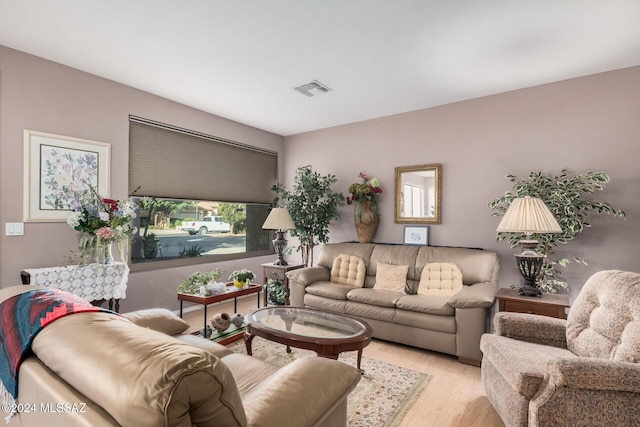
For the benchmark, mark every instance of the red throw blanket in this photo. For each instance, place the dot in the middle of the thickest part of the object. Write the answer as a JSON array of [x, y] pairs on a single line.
[[21, 318]]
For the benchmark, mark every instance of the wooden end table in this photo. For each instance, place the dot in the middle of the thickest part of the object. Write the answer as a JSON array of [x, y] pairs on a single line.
[[231, 292], [272, 271], [552, 305]]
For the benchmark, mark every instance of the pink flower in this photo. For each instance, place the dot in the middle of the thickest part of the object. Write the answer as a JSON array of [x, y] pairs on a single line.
[[105, 233]]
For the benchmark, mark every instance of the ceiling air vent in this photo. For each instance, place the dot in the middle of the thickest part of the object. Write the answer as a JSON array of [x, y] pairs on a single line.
[[312, 88]]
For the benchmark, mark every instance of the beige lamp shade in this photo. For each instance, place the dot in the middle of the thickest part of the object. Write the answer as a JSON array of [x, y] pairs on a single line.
[[528, 215], [279, 219]]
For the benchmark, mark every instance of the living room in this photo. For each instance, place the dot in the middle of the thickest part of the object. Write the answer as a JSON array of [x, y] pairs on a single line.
[[582, 123]]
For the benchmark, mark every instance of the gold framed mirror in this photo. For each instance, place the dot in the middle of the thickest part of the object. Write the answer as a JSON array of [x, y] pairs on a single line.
[[418, 194]]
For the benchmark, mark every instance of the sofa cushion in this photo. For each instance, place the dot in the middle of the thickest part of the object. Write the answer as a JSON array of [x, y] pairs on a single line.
[[158, 319], [422, 304], [369, 311], [391, 277], [429, 322], [440, 279], [349, 270], [393, 254], [248, 371], [331, 250], [523, 364], [329, 290], [604, 320], [381, 298], [322, 303]]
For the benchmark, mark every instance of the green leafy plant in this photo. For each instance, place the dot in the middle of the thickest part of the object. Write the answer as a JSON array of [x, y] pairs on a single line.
[[567, 199], [242, 275], [276, 291], [312, 205], [192, 284], [192, 252]]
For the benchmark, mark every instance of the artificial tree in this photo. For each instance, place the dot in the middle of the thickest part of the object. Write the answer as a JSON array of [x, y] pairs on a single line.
[[566, 198], [312, 205]]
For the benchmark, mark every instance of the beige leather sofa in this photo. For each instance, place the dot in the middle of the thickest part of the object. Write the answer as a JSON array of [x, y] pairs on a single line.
[[100, 369], [447, 324]]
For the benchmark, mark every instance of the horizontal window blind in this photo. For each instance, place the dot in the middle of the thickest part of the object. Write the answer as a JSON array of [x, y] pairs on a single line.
[[176, 163]]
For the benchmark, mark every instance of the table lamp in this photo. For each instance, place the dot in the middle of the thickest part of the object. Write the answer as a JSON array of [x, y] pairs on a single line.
[[279, 220], [529, 215]]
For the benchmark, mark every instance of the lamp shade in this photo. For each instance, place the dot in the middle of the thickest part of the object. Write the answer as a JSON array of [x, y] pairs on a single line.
[[528, 215], [279, 219]]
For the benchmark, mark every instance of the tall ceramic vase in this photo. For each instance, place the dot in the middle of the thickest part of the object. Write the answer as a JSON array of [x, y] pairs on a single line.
[[366, 220]]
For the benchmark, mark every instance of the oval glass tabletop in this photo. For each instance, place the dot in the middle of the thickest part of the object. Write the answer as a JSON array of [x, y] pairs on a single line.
[[307, 322]]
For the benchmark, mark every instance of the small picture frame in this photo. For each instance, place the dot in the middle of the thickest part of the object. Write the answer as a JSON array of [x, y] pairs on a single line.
[[416, 235]]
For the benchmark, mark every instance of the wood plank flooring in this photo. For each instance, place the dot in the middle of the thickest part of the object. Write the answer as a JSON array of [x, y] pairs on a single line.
[[454, 396]]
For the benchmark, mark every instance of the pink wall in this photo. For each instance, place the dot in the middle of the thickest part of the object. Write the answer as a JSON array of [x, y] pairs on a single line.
[[44, 96], [584, 124]]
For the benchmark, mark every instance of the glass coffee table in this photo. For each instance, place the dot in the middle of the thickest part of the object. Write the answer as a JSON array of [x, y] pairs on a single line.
[[328, 334]]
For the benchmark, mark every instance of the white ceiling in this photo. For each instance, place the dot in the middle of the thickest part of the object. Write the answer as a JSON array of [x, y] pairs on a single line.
[[240, 59]]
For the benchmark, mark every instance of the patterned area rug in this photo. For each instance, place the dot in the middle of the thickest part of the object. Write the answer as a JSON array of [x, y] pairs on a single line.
[[382, 397]]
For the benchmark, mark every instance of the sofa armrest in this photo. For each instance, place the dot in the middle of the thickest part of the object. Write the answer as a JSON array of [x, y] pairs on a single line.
[[158, 319], [481, 294], [602, 391], [300, 278], [594, 374], [308, 275], [532, 328], [285, 399]]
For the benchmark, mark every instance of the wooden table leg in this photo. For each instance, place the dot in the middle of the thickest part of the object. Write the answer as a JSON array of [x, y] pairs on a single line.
[[359, 360], [205, 317], [248, 338]]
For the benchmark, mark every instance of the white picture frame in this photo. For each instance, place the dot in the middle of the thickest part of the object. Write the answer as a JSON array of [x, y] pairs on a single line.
[[57, 168], [416, 235]]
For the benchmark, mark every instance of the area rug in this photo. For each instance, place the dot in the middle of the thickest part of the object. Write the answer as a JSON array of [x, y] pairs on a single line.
[[382, 397]]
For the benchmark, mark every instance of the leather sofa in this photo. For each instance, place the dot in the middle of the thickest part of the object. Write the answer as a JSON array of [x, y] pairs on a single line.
[[451, 324], [140, 369]]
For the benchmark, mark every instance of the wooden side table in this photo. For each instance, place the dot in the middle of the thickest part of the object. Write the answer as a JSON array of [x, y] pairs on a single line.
[[272, 271], [552, 305]]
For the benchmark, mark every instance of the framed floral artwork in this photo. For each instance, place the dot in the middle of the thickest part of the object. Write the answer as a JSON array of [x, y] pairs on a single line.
[[58, 169], [416, 235]]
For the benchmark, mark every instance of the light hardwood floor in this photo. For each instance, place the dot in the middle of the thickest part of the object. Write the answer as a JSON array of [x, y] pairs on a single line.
[[454, 396]]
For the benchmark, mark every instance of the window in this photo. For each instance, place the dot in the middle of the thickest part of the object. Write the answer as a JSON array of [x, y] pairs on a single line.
[[204, 196], [178, 232]]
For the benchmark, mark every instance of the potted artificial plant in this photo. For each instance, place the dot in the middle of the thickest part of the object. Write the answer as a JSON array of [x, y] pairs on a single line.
[[312, 205], [567, 199], [241, 277], [192, 284]]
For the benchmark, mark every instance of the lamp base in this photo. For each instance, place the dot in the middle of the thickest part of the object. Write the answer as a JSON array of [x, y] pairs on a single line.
[[279, 244]]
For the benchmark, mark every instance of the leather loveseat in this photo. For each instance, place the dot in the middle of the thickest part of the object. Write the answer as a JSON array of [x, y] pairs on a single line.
[[449, 320], [99, 369]]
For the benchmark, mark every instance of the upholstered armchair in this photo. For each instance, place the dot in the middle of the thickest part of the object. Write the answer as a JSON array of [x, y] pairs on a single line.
[[542, 371]]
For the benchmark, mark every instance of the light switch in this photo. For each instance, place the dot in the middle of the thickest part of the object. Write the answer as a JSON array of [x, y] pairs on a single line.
[[14, 229]]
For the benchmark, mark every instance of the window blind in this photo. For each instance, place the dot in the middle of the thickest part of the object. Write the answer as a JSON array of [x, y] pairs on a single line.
[[170, 162]]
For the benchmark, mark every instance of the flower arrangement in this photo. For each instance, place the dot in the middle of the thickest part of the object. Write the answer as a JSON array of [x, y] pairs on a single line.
[[101, 222], [367, 190]]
